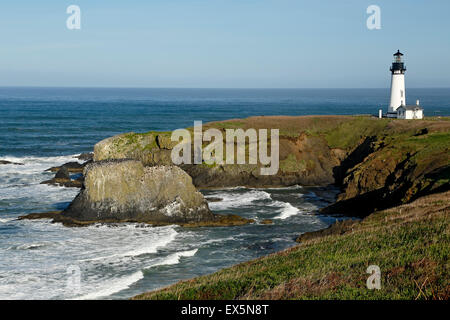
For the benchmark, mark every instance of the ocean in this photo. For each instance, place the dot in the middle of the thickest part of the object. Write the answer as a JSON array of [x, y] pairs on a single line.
[[45, 127]]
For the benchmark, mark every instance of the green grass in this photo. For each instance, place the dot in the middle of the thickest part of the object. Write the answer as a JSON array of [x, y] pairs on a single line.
[[349, 133], [139, 141], [410, 244], [227, 125]]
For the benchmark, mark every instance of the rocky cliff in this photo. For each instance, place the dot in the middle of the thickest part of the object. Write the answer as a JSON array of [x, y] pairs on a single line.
[[377, 162], [125, 190], [304, 159], [404, 162]]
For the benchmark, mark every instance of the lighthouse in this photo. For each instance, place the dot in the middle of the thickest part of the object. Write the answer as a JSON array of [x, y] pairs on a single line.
[[397, 106], [398, 94]]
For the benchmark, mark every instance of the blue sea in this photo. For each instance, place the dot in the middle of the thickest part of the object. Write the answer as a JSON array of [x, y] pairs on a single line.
[[45, 127]]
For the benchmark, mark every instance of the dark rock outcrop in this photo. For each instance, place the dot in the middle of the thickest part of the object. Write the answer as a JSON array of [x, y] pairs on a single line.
[[9, 162], [213, 199], [42, 215], [85, 156], [218, 220], [63, 173], [63, 179], [73, 167]]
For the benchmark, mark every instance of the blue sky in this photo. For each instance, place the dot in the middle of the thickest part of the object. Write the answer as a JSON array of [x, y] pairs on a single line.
[[226, 43]]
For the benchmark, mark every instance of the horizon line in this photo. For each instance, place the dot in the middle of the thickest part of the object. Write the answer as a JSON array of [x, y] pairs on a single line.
[[210, 88]]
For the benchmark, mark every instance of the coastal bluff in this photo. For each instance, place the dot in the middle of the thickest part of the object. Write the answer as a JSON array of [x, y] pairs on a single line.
[[125, 191], [377, 163]]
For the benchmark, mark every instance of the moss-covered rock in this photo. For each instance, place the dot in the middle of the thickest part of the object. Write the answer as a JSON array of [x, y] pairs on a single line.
[[125, 190], [164, 141]]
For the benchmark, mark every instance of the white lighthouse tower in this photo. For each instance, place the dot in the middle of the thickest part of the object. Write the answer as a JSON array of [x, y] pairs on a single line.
[[398, 94], [397, 106]]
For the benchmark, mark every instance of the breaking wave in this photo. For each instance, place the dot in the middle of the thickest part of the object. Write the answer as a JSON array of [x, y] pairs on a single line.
[[173, 258]]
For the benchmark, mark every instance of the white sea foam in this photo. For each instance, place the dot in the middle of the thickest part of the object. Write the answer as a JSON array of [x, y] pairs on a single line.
[[294, 187], [218, 240], [31, 159], [111, 259], [232, 199], [42, 192], [118, 284], [42, 256], [173, 258], [146, 248], [113, 286], [254, 197], [287, 210], [20, 184], [28, 246], [104, 254], [34, 164], [152, 247]]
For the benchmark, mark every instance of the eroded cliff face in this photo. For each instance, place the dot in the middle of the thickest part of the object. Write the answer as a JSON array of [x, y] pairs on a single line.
[[125, 190], [304, 160], [395, 170], [377, 162]]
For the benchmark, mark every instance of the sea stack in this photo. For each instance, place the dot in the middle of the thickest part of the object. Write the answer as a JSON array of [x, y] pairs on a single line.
[[125, 190]]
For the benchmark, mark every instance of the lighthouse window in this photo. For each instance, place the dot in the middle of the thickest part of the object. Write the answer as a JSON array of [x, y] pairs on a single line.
[[401, 93]]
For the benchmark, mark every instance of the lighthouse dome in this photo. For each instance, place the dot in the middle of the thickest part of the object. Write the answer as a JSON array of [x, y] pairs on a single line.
[[398, 65]]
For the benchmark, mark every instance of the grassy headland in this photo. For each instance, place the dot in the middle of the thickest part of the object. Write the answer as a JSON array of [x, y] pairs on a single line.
[[410, 243], [378, 163], [393, 173]]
